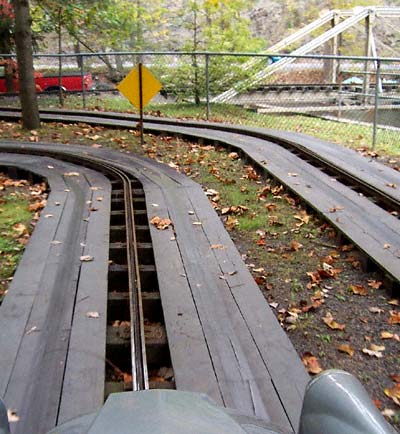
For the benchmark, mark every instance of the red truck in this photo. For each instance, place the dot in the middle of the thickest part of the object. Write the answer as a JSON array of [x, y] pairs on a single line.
[[47, 83]]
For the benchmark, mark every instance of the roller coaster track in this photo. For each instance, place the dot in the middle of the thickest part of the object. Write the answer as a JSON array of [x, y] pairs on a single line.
[[367, 204]]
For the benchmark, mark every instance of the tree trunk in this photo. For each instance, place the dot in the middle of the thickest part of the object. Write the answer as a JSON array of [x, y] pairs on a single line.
[[23, 41]]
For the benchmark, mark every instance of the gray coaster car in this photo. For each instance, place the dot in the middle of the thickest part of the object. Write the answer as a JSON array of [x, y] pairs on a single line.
[[335, 403]]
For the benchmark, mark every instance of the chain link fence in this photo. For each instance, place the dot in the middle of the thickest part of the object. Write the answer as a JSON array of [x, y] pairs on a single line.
[[349, 100]]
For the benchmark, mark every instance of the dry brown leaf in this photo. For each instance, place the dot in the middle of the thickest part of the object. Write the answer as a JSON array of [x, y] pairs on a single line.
[[377, 347], [311, 363], [231, 222], [86, 258], [377, 354], [389, 335], [336, 208], [374, 284], [374, 309], [20, 229], [217, 247], [358, 289], [303, 217], [71, 174], [296, 246], [394, 393], [270, 206], [345, 348], [161, 223], [394, 317], [331, 323]]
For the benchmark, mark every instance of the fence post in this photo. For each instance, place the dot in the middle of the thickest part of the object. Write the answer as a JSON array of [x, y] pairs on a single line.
[[83, 81], [208, 86], [376, 104]]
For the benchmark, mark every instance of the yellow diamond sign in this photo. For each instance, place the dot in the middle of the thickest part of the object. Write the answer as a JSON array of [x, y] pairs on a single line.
[[130, 86]]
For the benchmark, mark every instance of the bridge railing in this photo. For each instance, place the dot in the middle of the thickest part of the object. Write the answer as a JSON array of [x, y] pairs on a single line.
[[353, 100]]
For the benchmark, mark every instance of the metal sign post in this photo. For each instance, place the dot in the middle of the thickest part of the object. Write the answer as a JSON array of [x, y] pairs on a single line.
[[141, 103], [139, 87]]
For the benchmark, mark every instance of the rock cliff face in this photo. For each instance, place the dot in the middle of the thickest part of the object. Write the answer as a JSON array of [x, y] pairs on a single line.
[[274, 20], [267, 21]]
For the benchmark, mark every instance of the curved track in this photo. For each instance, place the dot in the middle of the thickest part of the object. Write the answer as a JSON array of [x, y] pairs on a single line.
[[364, 193], [223, 338]]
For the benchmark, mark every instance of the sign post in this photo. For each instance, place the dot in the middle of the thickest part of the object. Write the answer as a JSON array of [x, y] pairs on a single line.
[[139, 87], [141, 102]]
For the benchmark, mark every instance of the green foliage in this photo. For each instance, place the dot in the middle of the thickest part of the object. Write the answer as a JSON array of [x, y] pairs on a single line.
[[214, 26]]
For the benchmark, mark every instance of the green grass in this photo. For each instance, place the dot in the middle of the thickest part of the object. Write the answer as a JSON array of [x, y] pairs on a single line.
[[14, 210]]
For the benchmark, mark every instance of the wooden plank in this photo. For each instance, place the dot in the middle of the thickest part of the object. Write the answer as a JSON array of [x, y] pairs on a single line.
[[17, 305], [245, 382], [83, 386], [191, 362], [42, 355], [271, 341]]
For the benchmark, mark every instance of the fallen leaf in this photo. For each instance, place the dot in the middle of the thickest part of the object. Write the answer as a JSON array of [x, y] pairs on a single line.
[[71, 174], [296, 246], [394, 393], [386, 246], [389, 335], [197, 223], [20, 229], [303, 217], [395, 378], [374, 309], [86, 258], [379, 348], [394, 302], [231, 222], [311, 363], [331, 323], [92, 314], [336, 208], [217, 247], [270, 206], [358, 289], [31, 330], [377, 354], [12, 416], [374, 284], [233, 155], [161, 223], [388, 412], [345, 348], [394, 317]]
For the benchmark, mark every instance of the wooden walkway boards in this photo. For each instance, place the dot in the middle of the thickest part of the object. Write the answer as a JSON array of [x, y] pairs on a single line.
[[224, 339], [373, 230], [43, 366]]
